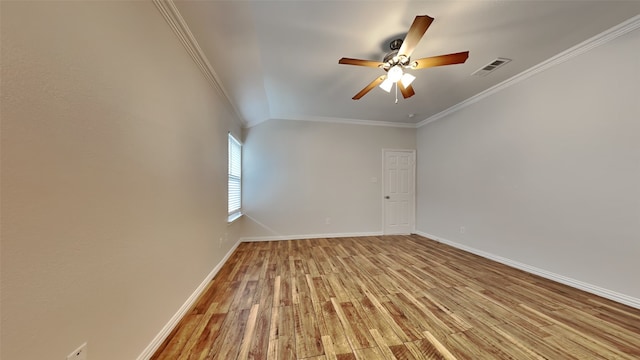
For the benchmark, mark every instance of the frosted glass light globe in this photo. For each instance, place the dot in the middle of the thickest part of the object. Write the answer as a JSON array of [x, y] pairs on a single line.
[[395, 73]]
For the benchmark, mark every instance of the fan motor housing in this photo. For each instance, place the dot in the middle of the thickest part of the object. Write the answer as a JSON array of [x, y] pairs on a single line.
[[389, 57]]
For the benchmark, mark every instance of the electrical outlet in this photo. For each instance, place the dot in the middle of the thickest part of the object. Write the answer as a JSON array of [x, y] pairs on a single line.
[[462, 229], [79, 353], [327, 221]]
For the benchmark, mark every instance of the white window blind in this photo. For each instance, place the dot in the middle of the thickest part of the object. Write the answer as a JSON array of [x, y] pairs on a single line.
[[235, 176]]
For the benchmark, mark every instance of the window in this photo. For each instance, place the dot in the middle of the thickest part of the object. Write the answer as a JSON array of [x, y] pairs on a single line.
[[235, 178]]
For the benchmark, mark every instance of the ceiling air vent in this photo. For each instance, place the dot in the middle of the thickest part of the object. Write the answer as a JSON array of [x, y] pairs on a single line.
[[490, 67]]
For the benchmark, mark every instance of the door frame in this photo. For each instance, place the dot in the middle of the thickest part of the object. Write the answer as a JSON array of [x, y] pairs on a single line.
[[415, 177]]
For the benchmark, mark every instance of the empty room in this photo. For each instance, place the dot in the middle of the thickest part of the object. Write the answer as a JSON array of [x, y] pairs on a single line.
[[319, 180]]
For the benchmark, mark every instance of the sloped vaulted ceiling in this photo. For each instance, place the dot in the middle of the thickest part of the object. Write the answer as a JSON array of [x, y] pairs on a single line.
[[279, 59]]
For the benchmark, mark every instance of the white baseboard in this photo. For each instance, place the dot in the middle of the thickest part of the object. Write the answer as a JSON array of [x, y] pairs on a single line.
[[166, 330], [593, 289], [307, 236]]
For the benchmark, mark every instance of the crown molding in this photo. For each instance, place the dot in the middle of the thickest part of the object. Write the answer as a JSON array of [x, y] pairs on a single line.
[[342, 121], [179, 26], [602, 38]]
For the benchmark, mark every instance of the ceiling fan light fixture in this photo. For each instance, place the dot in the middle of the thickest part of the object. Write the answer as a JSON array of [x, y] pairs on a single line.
[[407, 79], [395, 73], [394, 63], [386, 85]]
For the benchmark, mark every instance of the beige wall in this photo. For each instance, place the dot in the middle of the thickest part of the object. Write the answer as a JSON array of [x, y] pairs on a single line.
[[299, 173], [545, 172], [113, 178]]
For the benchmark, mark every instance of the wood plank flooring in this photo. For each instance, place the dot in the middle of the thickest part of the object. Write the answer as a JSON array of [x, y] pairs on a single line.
[[393, 297]]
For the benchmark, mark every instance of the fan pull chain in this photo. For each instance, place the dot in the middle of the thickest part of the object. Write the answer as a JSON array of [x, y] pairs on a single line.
[[396, 92]]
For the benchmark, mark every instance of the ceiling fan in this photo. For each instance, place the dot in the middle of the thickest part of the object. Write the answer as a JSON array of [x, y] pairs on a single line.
[[399, 58]]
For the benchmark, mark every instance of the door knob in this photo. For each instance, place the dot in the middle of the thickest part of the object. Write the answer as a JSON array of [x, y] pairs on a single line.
[[386, 197]]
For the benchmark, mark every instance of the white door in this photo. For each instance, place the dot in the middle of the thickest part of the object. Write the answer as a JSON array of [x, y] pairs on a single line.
[[398, 191]]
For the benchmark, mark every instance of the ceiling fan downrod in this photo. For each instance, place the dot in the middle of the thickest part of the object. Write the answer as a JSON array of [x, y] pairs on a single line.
[[395, 44]]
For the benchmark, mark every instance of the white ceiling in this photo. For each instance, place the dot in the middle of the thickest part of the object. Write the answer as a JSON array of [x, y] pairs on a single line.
[[279, 59]]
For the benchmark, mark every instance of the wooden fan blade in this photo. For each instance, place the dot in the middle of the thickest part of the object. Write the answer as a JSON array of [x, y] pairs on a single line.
[[358, 62], [450, 59], [407, 92], [368, 88], [416, 31]]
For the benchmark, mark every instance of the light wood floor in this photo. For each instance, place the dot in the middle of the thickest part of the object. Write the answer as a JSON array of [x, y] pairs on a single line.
[[393, 297]]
